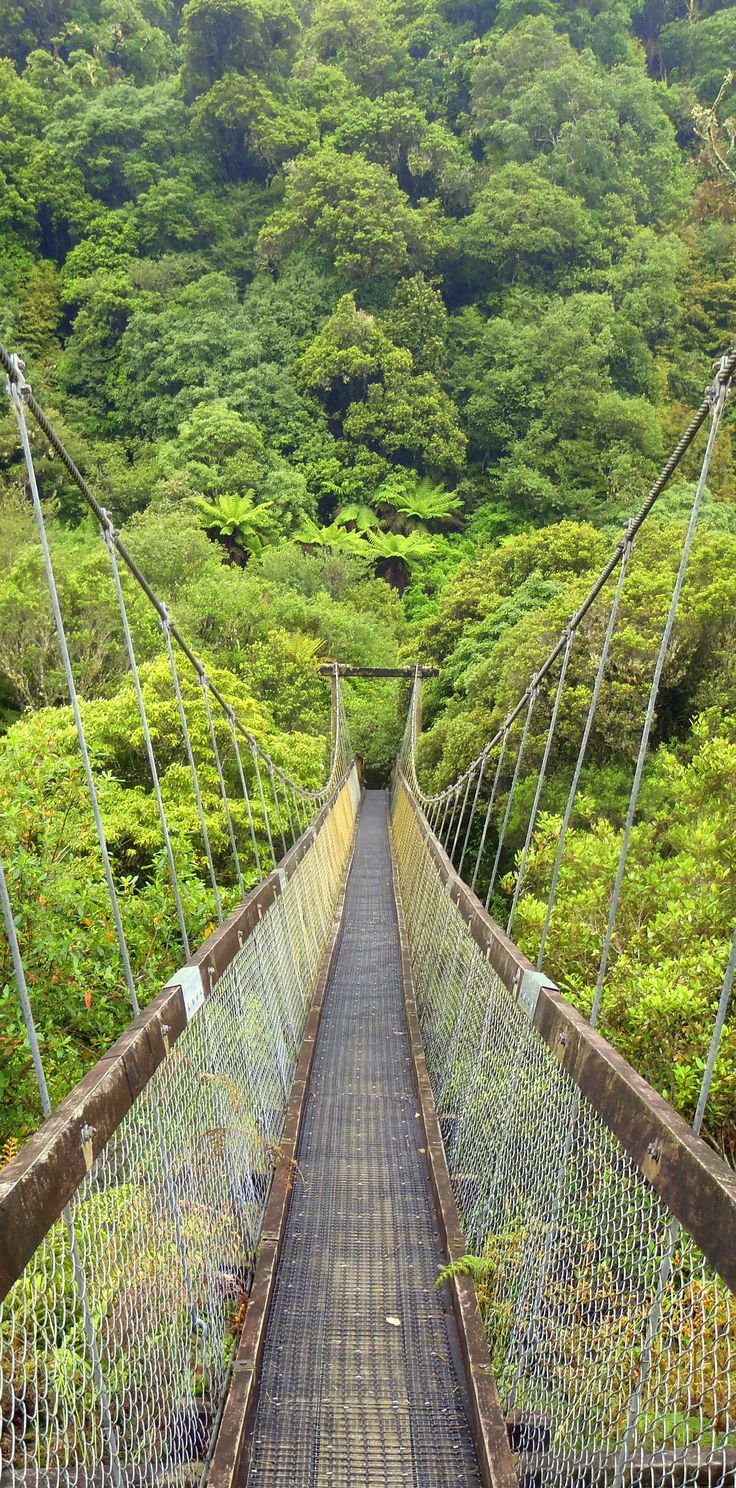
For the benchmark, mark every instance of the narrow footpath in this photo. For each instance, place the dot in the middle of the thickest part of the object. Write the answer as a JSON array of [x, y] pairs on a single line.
[[360, 1383]]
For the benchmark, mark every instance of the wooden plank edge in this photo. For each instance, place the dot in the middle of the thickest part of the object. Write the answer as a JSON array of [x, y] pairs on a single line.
[[488, 1424], [41, 1180], [696, 1184], [231, 1450]]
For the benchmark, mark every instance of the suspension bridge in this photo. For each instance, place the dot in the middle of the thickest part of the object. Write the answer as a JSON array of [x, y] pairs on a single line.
[[219, 1254]]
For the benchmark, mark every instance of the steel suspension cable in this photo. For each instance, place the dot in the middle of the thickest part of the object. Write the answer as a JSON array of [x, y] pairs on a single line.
[[192, 766], [726, 367], [463, 808], [541, 774], [25, 1001], [262, 799], [244, 788], [17, 402], [478, 785], [489, 808], [107, 531], [719, 394], [534, 692], [590, 717], [22, 396], [221, 778]]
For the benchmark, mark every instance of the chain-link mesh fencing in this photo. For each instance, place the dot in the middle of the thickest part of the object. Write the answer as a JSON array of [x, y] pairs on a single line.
[[115, 1341], [613, 1341]]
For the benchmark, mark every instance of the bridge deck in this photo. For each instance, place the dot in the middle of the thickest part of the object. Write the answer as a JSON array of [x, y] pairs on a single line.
[[348, 1399]]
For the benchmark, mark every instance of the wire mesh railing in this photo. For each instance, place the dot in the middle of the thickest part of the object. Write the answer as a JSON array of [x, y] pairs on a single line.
[[600, 1230], [487, 819], [225, 811], [130, 1222]]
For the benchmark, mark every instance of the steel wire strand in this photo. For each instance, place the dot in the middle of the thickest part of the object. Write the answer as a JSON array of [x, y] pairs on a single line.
[[221, 780], [277, 806], [464, 808], [456, 820], [107, 531], [533, 694], [246, 796], [192, 767], [726, 367], [21, 394], [489, 807], [17, 402], [589, 720], [541, 776], [719, 393], [262, 799]]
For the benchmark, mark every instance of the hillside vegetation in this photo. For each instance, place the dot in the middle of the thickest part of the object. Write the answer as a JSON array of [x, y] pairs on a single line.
[[370, 322]]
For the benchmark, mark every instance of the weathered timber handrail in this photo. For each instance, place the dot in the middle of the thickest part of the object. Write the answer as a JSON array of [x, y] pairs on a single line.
[[40, 1181], [698, 1187]]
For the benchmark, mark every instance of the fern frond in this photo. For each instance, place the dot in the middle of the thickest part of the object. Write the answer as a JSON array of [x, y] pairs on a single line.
[[479, 1267]]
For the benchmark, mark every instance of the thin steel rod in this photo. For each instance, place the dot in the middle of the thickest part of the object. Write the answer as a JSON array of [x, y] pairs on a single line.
[[17, 401], [19, 389], [221, 780], [592, 707], [726, 369], [512, 791], [277, 804], [25, 1002], [246, 797], [478, 784], [489, 807], [716, 1036], [453, 849], [192, 767], [719, 398], [541, 776], [143, 713], [262, 798]]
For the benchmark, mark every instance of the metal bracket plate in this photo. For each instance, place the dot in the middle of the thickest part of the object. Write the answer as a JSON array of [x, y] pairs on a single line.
[[531, 985], [189, 978]]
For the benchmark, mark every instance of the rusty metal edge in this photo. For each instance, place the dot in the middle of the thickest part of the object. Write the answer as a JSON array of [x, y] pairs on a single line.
[[229, 1459], [695, 1183], [40, 1181], [490, 1435]]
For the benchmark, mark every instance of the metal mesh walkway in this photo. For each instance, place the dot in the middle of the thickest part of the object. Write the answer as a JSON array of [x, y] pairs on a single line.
[[347, 1397]]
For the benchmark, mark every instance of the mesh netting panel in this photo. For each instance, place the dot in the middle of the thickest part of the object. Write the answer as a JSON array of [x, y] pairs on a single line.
[[115, 1341], [612, 1340]]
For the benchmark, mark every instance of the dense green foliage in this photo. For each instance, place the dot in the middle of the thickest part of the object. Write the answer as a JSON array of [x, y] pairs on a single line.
[[369, 322]]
